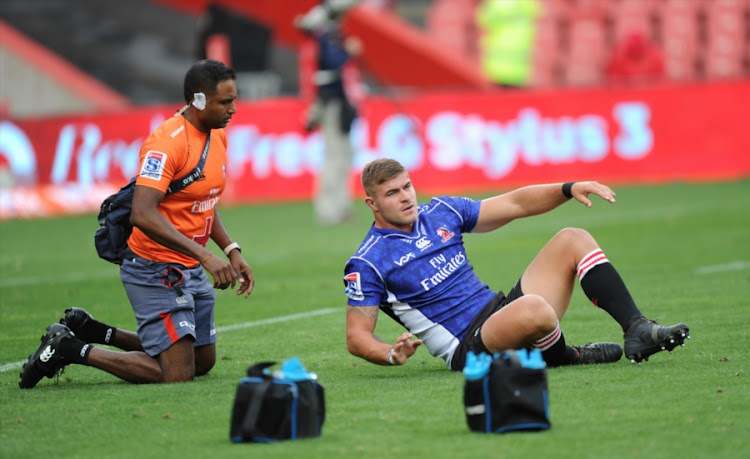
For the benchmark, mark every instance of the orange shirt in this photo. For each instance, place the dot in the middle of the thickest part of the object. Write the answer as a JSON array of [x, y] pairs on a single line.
[[170, 152]]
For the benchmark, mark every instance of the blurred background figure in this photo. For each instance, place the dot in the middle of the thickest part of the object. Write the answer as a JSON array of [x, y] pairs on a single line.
[[635, 59], [507, 40], [331, 108]]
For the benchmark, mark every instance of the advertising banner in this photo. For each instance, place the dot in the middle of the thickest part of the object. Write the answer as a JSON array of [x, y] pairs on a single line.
[[458, 142]]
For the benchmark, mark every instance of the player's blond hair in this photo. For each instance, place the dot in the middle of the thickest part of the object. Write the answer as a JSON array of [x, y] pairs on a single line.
[[378, 172]]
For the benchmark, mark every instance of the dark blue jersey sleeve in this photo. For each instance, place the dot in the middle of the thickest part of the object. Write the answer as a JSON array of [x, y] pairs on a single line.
[[466, 208]]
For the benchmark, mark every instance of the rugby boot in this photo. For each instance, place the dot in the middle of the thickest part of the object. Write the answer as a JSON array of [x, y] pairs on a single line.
[[646, 337], [47, 360], [77, 319], [593, 353]]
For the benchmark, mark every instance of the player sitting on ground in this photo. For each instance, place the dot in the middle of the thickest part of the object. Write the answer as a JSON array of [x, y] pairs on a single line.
[[412, 265]]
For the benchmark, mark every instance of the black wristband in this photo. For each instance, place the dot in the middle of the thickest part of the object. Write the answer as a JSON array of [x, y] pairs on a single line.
[[566, 189]]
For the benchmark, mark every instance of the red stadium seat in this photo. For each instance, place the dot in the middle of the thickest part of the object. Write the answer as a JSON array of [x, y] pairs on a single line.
[[558, 9], [632, 16], [547, 53], [452, 24], [548, 36], [726, 39], [550, 42], [680, 38], [589, 9], [587, 51]]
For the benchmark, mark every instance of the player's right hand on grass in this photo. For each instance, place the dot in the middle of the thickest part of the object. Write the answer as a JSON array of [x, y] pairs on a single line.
[[404, 348]]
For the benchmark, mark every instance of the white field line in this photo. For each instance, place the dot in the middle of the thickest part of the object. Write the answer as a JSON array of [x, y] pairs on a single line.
[[105, 274], [112, 273], [733, 266], [254, 323], [60, 279]]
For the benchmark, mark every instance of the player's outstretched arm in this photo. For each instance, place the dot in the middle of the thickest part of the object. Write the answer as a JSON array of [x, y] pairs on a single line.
[[534, 200]]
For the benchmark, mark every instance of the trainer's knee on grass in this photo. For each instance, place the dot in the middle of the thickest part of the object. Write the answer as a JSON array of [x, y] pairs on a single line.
[[182, 375], [178, 362], [205, 359]]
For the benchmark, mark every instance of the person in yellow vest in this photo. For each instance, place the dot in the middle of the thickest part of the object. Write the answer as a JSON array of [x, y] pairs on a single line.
[[507, 41]]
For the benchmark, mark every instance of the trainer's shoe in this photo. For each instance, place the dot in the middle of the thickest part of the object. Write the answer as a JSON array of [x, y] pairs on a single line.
[[597, 353], [76, 319], [646, 337], [47, 360]]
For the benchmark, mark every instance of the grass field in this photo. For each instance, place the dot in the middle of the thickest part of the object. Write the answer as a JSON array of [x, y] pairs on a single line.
[[684, 251]]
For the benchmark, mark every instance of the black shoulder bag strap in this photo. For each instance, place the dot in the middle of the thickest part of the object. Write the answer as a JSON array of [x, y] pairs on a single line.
[[194, 175], [250, 422]]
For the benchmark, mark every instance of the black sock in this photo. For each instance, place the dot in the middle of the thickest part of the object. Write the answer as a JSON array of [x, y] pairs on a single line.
[[605, 288], [96, 332], [557, 353], [560, 354], [75, 350]]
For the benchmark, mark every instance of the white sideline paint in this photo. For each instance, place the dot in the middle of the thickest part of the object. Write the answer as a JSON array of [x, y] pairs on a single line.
[[273, 320], [59, 279], [254, 323], [733, 266]]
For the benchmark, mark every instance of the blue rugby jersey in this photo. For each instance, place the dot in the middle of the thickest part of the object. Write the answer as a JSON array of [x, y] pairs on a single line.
[[422, 279]]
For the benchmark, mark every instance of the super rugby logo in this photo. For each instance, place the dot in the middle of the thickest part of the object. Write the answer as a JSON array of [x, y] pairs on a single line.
[[444, 234], [353, 287], [153, 165]]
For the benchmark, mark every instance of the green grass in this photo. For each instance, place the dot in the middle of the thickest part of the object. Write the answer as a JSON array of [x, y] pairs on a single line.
[[692, 403]]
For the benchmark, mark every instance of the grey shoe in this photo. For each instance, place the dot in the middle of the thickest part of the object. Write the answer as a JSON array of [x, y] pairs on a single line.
[[646, 337]]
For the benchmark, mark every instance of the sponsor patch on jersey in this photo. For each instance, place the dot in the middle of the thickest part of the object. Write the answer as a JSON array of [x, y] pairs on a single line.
[[176, 132], [423, 244], [153, 165], [353, 287], [403, 260]]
